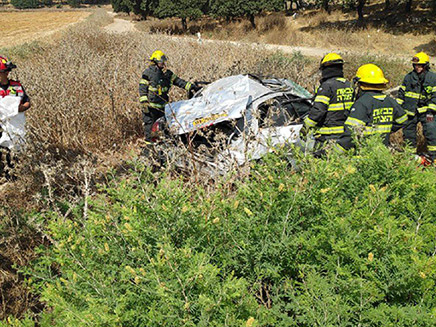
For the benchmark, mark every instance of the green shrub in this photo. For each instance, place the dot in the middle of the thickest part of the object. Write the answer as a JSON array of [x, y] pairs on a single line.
[[25, 4], [346, 241], [74, 3], [47, 3], [119, 6]]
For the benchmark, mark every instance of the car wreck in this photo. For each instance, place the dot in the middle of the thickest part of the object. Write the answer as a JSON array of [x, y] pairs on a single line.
[[232, 121]]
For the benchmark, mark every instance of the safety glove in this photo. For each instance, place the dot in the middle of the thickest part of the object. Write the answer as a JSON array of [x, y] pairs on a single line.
[[195, 87]]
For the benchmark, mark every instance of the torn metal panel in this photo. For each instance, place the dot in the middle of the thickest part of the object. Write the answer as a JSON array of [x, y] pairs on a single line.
[[242, 150], [223, 100]]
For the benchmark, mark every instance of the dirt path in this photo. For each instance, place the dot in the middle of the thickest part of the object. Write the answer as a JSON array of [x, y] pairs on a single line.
[[119, 25], [306, 51]]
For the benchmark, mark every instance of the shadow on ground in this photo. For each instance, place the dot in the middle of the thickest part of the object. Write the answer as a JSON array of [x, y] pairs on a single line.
[[429, 48]]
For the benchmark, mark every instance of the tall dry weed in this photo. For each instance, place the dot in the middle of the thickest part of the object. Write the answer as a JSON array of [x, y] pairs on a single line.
[[84, 92], [272, 21]]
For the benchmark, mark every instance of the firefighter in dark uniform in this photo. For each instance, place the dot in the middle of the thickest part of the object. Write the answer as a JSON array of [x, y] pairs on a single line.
[[417, 95], [333, 100], [373, 113], [154, 86]]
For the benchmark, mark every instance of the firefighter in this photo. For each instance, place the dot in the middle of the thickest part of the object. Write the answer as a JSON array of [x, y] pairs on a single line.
[[417, 95], [333, 100], [373, 113], [154, 86], [9, 87]]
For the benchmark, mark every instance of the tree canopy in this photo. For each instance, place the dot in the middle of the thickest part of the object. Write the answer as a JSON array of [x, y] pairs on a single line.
[[229, 9], [244, 8], [183, 9]]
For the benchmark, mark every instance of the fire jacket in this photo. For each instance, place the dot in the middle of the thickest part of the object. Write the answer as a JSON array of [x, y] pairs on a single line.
[[332, 103], [373, 113], [155, 85], [418, 93], [14, 88]]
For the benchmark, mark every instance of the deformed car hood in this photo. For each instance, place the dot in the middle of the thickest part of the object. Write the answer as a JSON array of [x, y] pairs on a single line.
[[222, 100], [239, 96]]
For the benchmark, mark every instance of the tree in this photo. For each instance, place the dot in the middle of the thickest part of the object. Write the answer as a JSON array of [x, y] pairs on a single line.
[[46, 3], [25, 4], [408, 6], [119, 6], [248, 8], [357, 5], [74, 3], [143, 8], [134, 6], [387, 4], [325, 5], [183, 9], [148, 7], [360, 5]]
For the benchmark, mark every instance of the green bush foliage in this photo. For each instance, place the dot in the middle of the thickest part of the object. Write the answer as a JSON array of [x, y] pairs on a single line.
[[47, 3], [25, 4], [346, 241], [247, 8], [74, 3], [183, 9], [119, 6]]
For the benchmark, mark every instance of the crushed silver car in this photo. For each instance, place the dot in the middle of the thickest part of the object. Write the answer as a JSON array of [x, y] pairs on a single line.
[[231, 121]]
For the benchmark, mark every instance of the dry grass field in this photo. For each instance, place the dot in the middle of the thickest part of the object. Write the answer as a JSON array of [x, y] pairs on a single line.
[[20, 27]]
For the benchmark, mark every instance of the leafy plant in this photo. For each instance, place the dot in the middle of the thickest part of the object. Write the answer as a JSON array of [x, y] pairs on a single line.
[[74, 3], [25, 4], [183, 9], [344, 241]]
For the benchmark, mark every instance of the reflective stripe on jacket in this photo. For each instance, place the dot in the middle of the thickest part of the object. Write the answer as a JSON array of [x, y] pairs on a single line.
[[14, 89], [332, 103], [155, 85], [373, 113], [418, 95]]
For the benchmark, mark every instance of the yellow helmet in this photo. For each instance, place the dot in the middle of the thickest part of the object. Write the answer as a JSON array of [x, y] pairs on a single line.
[[371, 74], [331, 59], [421, 58], [158, 56]]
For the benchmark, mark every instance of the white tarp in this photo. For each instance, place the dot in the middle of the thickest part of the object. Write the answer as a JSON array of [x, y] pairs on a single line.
[[12, 123], [222, 100]]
